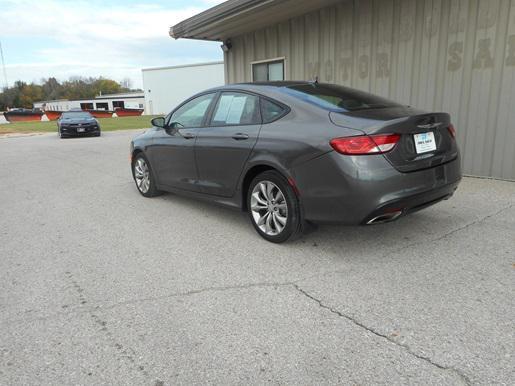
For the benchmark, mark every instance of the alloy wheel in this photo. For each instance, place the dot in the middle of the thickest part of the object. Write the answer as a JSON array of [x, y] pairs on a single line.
[[269, 208], [142, 175]]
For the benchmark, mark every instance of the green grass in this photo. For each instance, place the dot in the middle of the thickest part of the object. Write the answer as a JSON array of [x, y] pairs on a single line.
[[106, 124]]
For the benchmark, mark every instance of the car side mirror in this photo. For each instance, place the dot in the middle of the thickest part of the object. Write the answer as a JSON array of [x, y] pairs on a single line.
[[176, 125], [158, 122], [173, 127]]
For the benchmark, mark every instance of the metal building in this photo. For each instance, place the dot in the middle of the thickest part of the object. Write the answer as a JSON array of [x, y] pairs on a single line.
[[166, 87], [456, 56]]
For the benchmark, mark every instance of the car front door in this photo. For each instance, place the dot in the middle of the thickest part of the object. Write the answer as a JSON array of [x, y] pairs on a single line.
[[172, 153], [223, 147]]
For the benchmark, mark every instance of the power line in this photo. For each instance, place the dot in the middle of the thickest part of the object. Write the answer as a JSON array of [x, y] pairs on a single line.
[[6, 85]]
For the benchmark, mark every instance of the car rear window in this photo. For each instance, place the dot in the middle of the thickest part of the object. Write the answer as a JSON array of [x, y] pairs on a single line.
[[338, 98]]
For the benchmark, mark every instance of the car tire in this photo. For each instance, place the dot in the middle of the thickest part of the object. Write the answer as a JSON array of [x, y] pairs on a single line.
[[274, 208], [144, 177], [61, 135]]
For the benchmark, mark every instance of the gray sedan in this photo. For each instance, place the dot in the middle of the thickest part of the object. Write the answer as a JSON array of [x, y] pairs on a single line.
[[292, 153]]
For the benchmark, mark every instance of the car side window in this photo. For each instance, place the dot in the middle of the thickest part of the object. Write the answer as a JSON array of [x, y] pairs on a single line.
[[270, 111], [192, 113], [234, 108]]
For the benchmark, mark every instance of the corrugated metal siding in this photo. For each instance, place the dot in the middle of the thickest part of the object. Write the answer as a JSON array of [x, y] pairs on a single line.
[[456, 56]]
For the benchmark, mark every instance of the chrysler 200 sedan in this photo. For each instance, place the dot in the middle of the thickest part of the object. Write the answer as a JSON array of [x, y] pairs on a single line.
[[291, 153]]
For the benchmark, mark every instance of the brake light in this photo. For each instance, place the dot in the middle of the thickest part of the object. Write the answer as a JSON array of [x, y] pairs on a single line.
[[452, 131], [365, 144]]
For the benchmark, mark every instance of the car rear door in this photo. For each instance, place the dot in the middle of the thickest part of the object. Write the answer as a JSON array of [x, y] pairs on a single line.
[[172, 152], [223, 147]]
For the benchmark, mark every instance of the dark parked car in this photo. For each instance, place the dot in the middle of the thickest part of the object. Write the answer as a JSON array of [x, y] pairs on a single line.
[[77, 123], [295, 152]]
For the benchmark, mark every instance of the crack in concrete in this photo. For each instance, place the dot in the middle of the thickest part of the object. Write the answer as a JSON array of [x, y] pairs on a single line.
[[466, 226], [451, 232], [263, 284], [356, 322], [431, 240], [471, 176], [90, 311], [293, 284], [196, 292], [150, 299], [126, 354], [404, 346]]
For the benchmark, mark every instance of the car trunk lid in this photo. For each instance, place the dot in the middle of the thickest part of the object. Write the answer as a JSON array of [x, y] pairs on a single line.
[[425, 140]]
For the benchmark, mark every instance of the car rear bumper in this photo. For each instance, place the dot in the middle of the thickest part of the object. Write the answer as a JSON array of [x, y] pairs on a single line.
[[357, 189], [406, 205]]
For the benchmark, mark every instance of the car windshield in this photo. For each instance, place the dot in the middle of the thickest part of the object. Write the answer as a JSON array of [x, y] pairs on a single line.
[[338, 98], [76, 115]]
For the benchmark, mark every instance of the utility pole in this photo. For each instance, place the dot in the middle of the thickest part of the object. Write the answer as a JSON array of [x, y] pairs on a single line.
[[6, 85]]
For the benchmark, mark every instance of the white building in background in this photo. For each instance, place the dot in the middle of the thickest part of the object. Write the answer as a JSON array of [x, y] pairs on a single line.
[[166, 87], [130, 100]]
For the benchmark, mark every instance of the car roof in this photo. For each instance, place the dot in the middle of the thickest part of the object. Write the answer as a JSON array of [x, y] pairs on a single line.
[[257, 86], [279, 83]]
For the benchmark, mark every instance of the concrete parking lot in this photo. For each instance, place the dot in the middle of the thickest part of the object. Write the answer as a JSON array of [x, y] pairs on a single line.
[[99, 285]]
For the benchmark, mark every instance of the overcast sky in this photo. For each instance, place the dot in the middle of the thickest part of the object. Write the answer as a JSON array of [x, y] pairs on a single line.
[[114, 39]]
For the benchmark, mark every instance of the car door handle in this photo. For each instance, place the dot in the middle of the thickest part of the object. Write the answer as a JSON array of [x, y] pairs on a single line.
[[188, 135], [240, 136]]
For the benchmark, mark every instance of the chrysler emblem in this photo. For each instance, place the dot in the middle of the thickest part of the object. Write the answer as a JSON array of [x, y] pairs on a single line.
[[430, 125]]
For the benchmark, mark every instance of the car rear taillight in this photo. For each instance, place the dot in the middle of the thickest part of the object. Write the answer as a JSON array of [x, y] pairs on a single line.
[[365, 144], [452, 131]]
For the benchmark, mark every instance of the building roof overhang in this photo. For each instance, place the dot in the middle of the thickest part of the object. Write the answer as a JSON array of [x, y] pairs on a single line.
[[236, 17]]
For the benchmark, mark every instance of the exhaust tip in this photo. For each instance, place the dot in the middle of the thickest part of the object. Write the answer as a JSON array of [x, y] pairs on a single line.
[[385, 217]]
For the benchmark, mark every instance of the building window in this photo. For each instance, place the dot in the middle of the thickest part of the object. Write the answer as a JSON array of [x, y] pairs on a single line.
[[268, 70], [119, 104], [102, 106], [86, 106]]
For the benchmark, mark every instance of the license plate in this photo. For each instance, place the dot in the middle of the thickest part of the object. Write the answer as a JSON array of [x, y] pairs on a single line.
[[425, 142], [81, 129]]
